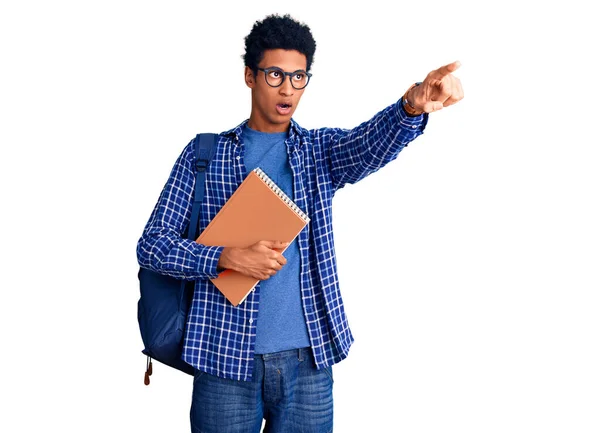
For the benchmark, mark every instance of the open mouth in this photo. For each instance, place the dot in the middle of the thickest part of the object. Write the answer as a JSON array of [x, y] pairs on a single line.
[[284, 109]]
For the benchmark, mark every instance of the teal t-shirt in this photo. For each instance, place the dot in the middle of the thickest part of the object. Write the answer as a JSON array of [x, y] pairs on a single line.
[[280, 324]]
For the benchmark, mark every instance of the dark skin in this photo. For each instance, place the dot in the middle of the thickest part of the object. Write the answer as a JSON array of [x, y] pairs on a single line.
[[261, 260], [264, 259]]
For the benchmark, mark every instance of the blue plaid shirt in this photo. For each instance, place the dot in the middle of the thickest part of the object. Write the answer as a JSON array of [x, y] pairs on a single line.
[[219, 337]]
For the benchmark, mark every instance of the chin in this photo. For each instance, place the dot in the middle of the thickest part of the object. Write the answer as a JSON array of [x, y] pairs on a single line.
[[279, 120]]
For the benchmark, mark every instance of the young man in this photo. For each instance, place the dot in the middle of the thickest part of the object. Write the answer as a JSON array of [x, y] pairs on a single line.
[[271, 356]]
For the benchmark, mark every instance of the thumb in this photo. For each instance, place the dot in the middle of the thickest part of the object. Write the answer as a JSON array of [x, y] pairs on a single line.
[[432, 106]]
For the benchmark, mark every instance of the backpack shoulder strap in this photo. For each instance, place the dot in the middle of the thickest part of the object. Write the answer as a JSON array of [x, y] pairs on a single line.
[[204, 146]]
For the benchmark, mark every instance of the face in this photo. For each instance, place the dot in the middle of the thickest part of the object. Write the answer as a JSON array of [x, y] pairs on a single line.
[[273, 107]]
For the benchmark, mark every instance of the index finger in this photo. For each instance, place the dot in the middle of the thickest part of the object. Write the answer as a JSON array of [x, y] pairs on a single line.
[[448, 69]]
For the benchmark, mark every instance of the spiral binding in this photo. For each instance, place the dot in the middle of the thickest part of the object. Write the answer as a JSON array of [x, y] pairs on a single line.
[[266, 179]]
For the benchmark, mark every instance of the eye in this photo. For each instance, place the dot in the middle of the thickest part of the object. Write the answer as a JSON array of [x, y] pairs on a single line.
[[275, 74], [299, 76]]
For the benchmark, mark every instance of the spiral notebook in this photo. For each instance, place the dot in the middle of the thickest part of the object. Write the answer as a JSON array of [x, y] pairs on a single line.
[[257, 210]]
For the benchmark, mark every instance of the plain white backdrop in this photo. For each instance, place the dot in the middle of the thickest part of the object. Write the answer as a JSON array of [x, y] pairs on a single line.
[[469, 266]]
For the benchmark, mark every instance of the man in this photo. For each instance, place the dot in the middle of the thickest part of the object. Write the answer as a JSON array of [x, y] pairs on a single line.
[[271, 356]]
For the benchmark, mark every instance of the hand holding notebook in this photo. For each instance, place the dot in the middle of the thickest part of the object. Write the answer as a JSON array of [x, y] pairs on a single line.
[[260, 260], [257, 211]]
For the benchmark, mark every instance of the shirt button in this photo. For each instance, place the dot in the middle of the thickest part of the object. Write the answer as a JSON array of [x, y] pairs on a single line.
[[238, 158], [251, 320], [413, 127]]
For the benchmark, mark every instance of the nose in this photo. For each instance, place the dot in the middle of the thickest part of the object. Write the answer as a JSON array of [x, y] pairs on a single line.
[[286, 88]]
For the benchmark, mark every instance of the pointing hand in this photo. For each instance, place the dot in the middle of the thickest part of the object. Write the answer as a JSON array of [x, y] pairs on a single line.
[[439, 89]]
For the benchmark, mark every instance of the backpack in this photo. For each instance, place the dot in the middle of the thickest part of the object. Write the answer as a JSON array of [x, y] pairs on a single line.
[[164, 301]]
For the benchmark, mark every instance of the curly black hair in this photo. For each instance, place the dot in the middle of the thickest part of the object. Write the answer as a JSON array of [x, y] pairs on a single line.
[[275, 32]]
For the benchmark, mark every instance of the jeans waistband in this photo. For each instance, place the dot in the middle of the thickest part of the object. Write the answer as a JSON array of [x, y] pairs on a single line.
[[302, 353]]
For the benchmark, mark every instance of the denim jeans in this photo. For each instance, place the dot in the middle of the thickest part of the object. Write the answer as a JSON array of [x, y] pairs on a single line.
[[286, 390]]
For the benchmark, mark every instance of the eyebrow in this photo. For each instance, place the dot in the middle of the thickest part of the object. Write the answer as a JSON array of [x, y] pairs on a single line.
[[278, 67]]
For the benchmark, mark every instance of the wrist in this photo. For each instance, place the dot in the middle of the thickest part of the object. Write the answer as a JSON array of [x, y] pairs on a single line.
[[225, 259], [408, 102]]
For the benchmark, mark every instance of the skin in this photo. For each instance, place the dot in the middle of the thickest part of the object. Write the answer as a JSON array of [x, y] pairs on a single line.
[[264, 116], [263, 259], [439, 89]]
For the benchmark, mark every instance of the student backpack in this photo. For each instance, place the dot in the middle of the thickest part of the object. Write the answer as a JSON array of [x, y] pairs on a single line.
[[164, 301]]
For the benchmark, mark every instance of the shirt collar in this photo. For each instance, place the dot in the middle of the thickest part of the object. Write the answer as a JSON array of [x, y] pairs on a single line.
[[296, 132]]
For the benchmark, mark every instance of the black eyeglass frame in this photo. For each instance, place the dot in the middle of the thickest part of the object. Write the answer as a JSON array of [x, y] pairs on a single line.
[[267, 71]]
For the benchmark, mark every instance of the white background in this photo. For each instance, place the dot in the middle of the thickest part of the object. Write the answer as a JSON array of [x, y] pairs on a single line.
[[469, 266]]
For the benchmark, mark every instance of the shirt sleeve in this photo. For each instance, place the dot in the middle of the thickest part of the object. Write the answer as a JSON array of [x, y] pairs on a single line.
[[355, 153], [162, 247]]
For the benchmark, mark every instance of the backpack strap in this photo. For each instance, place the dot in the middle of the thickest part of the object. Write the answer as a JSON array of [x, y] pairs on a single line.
[[204, 145], [204, 148]]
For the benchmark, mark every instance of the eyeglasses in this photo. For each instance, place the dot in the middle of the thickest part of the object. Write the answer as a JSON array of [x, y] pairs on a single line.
[[275, 77]]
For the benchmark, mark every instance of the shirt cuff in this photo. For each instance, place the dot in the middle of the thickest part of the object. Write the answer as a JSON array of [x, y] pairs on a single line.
[[415, 123], [208, 258]]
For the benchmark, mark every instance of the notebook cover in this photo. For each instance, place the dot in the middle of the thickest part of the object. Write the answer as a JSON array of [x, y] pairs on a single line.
[[257, 210]]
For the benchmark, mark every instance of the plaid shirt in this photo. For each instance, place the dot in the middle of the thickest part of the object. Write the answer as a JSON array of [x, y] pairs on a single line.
[[220, 338]]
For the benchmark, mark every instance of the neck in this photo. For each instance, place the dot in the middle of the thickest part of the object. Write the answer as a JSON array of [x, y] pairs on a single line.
[[262, 126]]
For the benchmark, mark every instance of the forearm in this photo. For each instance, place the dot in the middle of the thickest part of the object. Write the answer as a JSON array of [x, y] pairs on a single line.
[[169, 254], [358, 152]]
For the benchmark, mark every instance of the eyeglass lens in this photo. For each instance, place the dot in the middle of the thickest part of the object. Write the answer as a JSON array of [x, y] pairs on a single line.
[[275, 78]]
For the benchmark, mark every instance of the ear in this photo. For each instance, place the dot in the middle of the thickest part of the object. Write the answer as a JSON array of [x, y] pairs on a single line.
[[249, 77]]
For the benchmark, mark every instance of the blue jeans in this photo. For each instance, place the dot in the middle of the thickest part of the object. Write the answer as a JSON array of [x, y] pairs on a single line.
[[286, 390]]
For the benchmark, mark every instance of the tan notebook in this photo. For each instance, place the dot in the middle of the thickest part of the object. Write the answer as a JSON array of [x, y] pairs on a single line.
[[258, 210]]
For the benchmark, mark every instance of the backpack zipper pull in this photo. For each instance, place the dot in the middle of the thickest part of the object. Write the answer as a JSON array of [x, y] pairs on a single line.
[[148, 371]]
